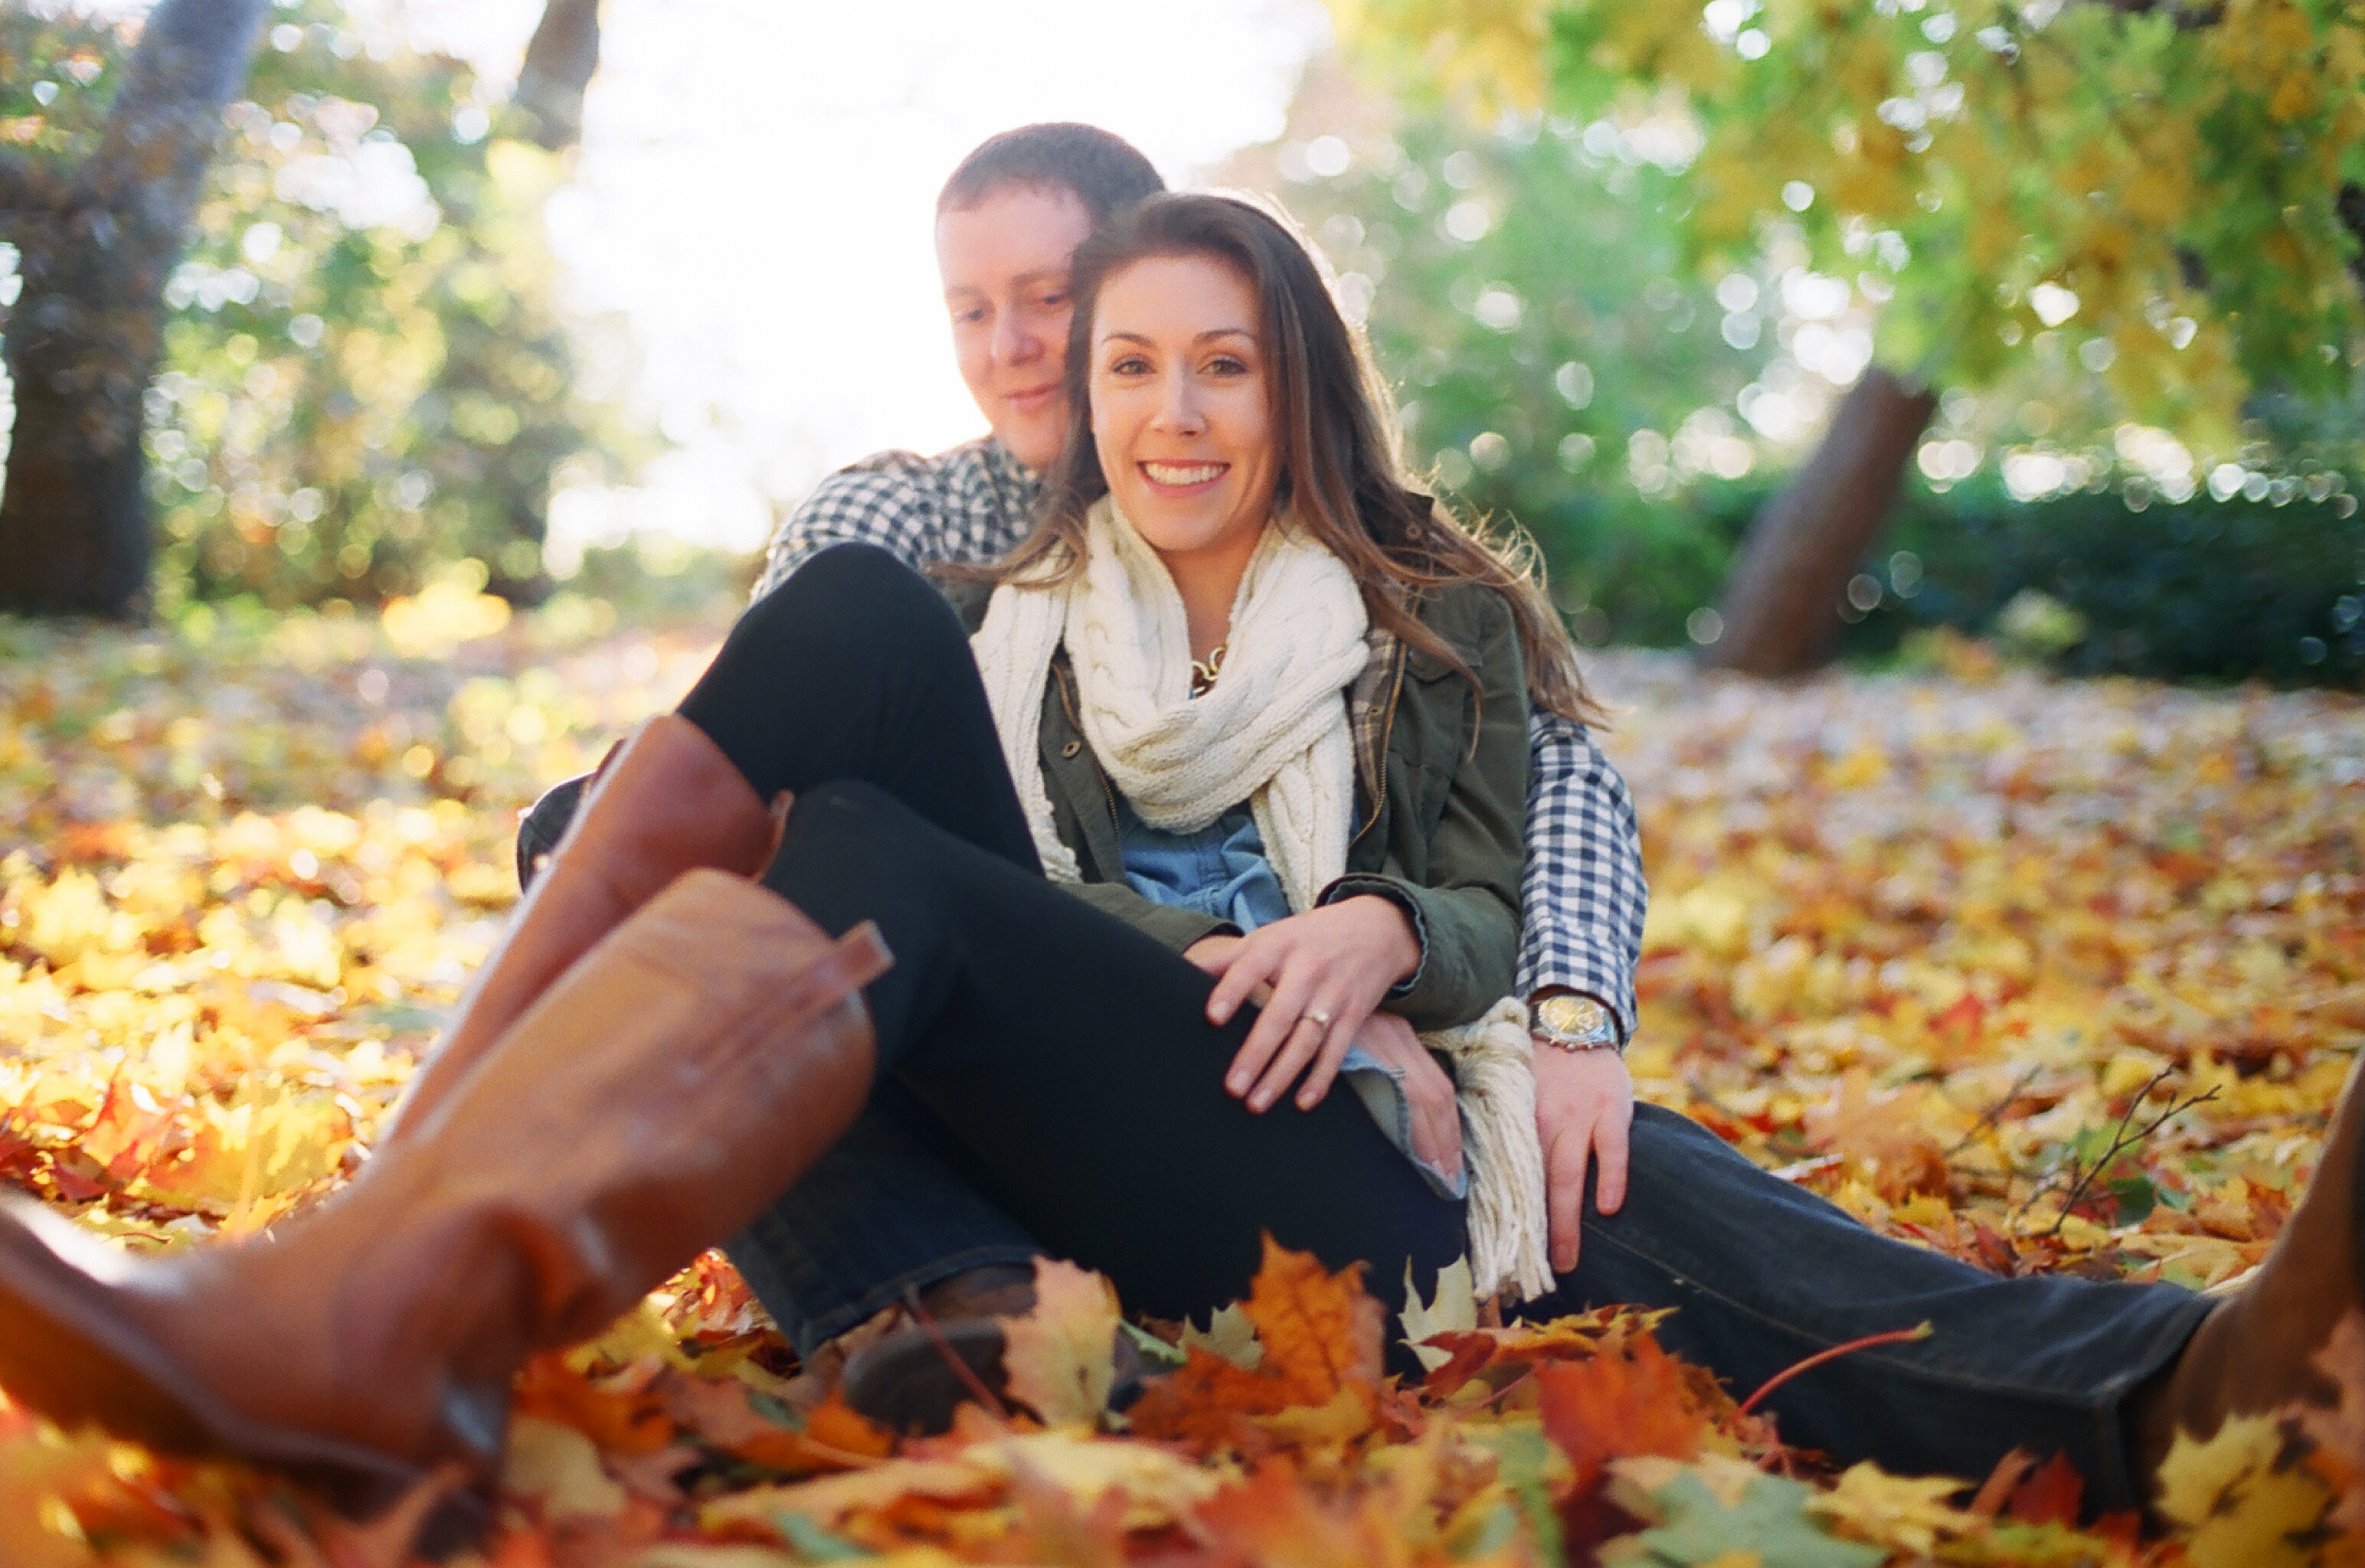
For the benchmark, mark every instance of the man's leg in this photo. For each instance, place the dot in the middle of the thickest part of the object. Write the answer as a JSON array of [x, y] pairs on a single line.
[[1764, 1275]]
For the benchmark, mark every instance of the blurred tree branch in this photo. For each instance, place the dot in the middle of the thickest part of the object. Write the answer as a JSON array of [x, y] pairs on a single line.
[[560, 60]]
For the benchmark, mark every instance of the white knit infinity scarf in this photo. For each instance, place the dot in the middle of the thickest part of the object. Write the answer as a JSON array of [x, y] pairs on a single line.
[[1272, 731]]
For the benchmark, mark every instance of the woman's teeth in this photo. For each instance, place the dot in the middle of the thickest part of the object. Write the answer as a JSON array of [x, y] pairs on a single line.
[[1181, 473]]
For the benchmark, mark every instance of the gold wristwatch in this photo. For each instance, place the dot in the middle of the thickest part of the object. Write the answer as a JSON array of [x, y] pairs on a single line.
[[1575, 1023]]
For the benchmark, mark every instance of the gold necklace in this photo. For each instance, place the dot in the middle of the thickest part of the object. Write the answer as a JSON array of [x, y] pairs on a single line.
[[1204, 672]]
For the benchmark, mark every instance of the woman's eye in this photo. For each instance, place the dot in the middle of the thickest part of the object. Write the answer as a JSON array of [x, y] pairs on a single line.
[[1131, 364], [1224, 364]]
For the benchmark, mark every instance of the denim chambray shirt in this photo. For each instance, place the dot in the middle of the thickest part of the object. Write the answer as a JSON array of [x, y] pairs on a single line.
[[1221, 870]]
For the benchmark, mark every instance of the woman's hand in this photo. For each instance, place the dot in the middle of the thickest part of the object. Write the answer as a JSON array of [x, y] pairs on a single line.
[[1584, 1102], [1427, 1090], [1326, 972]]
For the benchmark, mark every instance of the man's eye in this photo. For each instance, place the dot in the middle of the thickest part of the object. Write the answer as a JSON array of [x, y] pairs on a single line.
[[1053, 301]]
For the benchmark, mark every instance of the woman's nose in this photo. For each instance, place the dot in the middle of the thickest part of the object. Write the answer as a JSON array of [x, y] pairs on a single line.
[[1177, 407]]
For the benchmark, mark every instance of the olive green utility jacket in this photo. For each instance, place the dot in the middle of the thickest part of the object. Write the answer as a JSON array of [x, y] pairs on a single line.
[[1440, 802]]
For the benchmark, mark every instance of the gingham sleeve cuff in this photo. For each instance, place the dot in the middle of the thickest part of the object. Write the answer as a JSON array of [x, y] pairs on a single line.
[[1583, 896]]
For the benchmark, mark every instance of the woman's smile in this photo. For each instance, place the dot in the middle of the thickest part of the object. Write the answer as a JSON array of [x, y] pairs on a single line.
[[1179, 479]]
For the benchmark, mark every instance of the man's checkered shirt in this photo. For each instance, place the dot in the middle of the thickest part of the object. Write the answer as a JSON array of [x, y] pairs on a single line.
[[1583, 896]]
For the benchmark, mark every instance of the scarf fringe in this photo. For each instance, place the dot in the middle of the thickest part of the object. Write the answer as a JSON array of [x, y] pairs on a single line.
[[1495, 1085]]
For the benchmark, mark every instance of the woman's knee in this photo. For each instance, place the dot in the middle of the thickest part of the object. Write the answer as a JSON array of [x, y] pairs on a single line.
[[858, 837], [851, 601]]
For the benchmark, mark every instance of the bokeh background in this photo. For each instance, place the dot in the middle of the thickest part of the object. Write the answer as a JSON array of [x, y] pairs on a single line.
[[409, 345]]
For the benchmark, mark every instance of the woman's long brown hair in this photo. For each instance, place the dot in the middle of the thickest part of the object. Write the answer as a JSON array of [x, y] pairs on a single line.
[[1337, 467]]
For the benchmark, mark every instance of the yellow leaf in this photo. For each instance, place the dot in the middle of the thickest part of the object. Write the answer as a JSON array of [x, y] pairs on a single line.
[[558, 1465], [1160, 1487], [1894, 1511], [1454, 1306], [1229, 1334], [1061, 1356], [2241, 1509]]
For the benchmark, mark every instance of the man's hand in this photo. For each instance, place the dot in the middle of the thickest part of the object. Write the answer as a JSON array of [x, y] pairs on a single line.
[[1324, 973], [1585, 1104]]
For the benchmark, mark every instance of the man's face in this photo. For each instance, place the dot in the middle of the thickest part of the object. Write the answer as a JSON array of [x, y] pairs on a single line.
[[1004, 264]]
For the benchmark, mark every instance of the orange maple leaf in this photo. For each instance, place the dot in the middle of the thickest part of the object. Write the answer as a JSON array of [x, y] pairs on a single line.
[[129, 1130], [1322, 1339], [1273, 1517], [621, 1423], [1320, 1331], [1205, 1404], [1620, 1405]]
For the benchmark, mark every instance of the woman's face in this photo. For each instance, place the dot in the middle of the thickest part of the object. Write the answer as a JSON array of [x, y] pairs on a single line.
[[1182, 411]]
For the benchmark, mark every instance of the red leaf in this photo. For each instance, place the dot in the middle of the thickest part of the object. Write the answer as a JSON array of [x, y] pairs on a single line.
[[2050, 1496]]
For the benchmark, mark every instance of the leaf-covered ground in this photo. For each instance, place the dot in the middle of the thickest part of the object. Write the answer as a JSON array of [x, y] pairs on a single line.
[[2045, 975]]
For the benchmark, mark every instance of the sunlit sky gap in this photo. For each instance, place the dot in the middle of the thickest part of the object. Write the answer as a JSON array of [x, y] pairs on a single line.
[[755, 198]]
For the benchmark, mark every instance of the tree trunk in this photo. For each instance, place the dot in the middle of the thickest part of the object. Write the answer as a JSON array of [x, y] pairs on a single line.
[[559, 62], [1782, 602], [87, 334]]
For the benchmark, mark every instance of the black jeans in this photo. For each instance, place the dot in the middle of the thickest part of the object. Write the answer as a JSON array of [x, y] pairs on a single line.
[[1049, 1063], [1049, 1087]]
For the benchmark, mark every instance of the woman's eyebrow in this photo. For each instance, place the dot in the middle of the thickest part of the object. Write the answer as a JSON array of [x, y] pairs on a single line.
[[1115, 335]]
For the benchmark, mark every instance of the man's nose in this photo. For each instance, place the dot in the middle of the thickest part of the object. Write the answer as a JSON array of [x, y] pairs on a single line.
[[1016, 342]]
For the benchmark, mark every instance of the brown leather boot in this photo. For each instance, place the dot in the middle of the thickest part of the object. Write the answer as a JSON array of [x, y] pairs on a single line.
[[647, 1107], [664, 802], [2255, 1353]]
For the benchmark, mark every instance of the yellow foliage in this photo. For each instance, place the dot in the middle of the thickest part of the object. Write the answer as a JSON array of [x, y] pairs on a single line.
[[1852, 972], [2243, 1508]]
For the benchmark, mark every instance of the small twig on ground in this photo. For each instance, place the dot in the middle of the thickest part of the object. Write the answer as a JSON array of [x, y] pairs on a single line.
[[2084, 1175], [1989, 1116]]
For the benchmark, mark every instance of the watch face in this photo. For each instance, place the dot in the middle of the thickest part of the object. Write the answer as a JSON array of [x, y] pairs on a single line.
[[1575, 1015]]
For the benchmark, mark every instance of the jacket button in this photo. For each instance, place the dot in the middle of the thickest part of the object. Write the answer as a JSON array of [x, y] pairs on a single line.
[[1071, 748]]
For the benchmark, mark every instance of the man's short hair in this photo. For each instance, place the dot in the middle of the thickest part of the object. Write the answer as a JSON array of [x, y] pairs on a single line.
[[1107, 171]]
